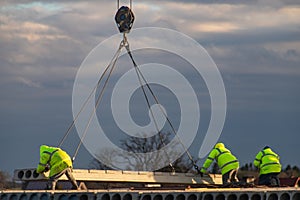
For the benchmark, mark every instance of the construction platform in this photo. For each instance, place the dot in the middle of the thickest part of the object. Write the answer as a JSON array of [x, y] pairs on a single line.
[[130, 185], [150, 194]]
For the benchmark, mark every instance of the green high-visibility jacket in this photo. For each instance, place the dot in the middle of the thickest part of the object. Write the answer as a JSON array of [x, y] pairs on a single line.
[[224, 158], [267, 162], [55, 158]]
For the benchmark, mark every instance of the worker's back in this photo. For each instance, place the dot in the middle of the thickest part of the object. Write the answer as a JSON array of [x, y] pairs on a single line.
[[267, 161], [55, 157], [225, 159]]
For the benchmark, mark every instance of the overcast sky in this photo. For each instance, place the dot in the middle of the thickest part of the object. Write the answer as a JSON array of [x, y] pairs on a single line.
[[255, 44]]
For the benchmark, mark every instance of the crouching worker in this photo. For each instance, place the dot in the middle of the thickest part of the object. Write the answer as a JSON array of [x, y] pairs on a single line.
[[58, 162], [267, 161], [226, 161]]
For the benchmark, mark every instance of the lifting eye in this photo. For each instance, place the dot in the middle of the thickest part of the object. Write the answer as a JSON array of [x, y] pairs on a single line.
[[124, 19]]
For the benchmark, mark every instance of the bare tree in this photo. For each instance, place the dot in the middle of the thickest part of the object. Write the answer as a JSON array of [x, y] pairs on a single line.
[[106, 156], [139, 159], [4, 180]]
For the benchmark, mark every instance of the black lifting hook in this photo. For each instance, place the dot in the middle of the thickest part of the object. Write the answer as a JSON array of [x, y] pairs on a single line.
[[124, 18]]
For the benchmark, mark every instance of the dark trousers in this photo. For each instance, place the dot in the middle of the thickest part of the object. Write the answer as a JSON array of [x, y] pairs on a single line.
[[270, 179], [68, 171], [230, 177]]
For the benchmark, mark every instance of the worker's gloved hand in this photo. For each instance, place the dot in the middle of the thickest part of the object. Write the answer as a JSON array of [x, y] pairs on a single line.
[[201, 174], [198, 170], [47, 168]]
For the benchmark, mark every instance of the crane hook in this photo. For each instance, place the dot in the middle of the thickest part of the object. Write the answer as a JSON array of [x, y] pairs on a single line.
[[124, 18]]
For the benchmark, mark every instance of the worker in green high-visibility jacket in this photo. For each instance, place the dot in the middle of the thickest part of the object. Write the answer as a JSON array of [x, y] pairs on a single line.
[[226, 161], [267, 161], [58, 162]]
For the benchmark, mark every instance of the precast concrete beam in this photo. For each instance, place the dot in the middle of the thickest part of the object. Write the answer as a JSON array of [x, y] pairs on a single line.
[[288, 193], [123, 176], [224, 194], [118, 196]]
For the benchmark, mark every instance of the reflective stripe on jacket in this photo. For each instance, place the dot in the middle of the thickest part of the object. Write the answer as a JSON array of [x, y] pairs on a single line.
[[267, 161], [224, 158], [55, 158]]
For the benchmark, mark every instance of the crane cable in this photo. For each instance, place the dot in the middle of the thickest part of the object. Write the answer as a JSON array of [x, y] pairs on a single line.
[[124, 19], [148, 104], [140, 75], [84, 104], [118, 4], [114, 61], [111, 64], [124, 43]]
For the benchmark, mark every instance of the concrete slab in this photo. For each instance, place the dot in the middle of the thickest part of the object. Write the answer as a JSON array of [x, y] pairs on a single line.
[[288, 193], [123, 176]]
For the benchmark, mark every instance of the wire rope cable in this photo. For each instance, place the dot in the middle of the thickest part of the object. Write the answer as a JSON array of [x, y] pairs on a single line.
[[118, 4], [96, 106], [151, 112], [115, 56], [110, 67], [157, 102]]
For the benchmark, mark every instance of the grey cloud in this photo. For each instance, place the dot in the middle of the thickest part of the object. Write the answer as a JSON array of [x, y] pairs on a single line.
[[252, 37], [234, 2], [251, 55], [213, 1]]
